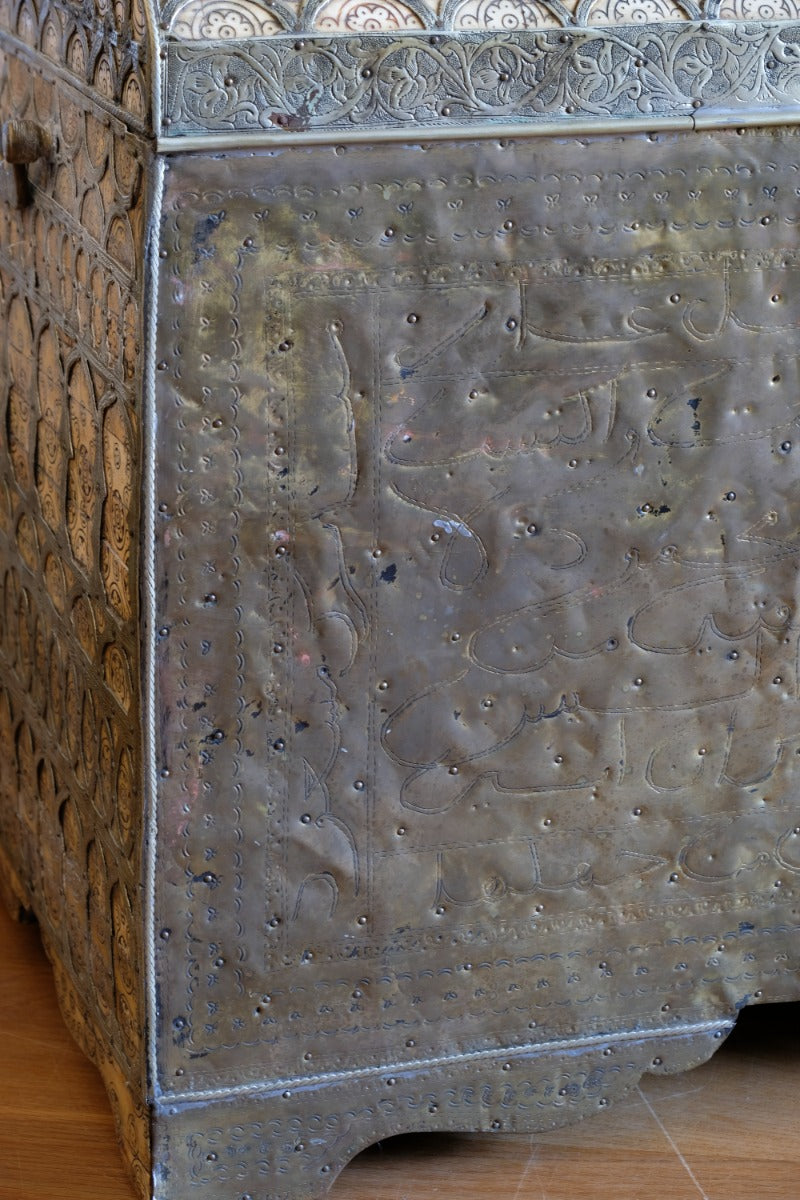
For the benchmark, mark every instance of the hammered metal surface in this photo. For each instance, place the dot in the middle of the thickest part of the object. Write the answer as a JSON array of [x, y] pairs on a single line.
[[477, 596]]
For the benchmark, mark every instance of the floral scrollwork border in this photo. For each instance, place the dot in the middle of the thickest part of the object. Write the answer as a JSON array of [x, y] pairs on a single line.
[[374, 82]]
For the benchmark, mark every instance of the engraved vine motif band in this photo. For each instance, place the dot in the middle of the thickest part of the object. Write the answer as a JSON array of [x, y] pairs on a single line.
[[381, 82]]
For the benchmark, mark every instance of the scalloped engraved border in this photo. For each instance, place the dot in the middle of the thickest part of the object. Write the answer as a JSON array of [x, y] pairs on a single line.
[[287, 1141], [281, 89]]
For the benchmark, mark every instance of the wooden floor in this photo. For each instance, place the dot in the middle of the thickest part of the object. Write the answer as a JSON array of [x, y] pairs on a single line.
[[727, 1131]]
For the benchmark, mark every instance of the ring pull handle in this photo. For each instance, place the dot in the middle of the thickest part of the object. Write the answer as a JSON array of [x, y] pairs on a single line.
[[22, 143]]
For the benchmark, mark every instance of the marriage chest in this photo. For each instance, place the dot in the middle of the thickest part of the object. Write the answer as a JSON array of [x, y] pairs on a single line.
[[399, 550]]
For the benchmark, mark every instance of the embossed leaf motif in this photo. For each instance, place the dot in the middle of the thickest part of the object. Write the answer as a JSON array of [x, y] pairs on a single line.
[[602, 81], [699, 65], [785, 79], [496, 71], [212, 99], [409, 86]]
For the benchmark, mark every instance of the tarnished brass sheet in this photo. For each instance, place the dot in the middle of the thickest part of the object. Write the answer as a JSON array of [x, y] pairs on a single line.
[[476, 579]]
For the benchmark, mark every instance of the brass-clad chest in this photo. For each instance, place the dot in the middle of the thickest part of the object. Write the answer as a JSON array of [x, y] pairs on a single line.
[[399, 558]]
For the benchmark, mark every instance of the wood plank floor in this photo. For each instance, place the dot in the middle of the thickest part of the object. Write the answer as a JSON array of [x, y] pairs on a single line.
[[729, 1130]]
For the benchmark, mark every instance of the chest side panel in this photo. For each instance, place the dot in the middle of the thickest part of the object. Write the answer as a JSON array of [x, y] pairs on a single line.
[[71, 281], [477, 565]]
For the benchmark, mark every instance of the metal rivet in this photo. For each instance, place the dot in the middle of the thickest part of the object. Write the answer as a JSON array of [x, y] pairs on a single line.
[[305, 819], [217, 423], [508, 225], [279, 744], [401, 830], [766, 220], [511, 323], [165, 772], [673, 877], [730, 495], [674, 298], [638, 681], [362, 920], [665, 1008], [453, 770], [412, 318], [637, 812], [165, 934], [162, 366], [657, 1061], [163, 631], [786, 447], [651, 393]]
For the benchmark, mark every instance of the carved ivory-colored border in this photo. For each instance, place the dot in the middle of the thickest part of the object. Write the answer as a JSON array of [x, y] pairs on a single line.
[[193, 20], [282, 89]]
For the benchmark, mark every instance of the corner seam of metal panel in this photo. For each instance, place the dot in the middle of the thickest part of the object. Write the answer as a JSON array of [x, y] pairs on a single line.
[[150, 772]]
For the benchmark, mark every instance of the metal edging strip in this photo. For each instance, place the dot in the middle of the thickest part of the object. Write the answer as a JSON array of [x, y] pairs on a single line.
[[149, 617]]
